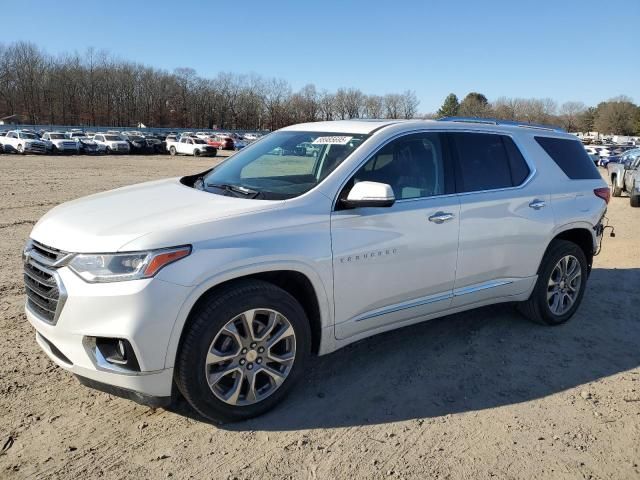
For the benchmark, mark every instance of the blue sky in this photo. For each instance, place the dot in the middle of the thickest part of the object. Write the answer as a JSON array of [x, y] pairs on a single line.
[[563, 49]]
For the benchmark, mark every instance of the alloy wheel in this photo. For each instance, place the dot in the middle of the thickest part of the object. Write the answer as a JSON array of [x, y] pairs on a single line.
[[564, 285], [250, 357]]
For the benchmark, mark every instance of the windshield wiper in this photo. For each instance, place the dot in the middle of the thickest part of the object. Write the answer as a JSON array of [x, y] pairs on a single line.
[[235, 189]]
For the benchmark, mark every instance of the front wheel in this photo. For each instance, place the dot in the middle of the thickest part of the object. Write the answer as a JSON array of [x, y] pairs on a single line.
[[242, 351], [20, 149], [172, 151], [562, 279], [634, 198], [196, 153]]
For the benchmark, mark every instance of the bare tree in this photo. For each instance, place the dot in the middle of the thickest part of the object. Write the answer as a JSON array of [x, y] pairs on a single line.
[[98, 89]]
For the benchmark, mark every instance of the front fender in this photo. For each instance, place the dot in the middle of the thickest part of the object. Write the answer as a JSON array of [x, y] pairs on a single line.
[[322, 295]]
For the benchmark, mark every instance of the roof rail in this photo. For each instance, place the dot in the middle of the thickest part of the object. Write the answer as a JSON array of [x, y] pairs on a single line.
[[495, 121]]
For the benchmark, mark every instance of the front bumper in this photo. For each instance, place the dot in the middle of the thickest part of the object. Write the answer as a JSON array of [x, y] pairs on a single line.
[[143, 312]]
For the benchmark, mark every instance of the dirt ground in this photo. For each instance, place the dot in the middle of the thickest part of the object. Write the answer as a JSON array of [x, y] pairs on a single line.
[[475, 395]]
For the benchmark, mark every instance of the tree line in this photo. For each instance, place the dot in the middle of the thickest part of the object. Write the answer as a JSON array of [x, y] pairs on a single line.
[[98, 89], [617, 116]]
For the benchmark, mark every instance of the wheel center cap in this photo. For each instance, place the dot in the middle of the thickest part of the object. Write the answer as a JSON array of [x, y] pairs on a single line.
[[562, 284], [252, 355]]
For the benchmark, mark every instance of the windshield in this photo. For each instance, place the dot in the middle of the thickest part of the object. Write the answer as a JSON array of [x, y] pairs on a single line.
[[282, 165], [112, 138], [29, 135], [56, 136]]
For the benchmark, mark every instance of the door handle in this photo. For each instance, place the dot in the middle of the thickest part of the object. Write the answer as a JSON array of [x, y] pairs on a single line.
[[537, 204], [441, 217]]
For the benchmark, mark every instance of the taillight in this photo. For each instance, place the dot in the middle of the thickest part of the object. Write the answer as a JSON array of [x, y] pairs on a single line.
[[604, 193]]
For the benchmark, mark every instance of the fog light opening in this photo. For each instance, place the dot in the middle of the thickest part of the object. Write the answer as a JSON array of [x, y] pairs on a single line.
[[117, 352]]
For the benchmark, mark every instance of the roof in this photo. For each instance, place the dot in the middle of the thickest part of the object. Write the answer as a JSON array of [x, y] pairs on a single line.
[[364, 126], [342, 126]]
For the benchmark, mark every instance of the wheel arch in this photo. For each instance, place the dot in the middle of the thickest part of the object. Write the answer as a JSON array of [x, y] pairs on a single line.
[[301, 285], [580, 235]]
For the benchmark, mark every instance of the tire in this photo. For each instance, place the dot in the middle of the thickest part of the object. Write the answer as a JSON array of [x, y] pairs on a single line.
[[20, 149], [616, 191], [204, 331], [537, 308], [196, 153], [172, 151], [108, 151], [634, 200]]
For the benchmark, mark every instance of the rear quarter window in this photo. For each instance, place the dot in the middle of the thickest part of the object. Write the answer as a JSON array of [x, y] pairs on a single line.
[[570, 156]]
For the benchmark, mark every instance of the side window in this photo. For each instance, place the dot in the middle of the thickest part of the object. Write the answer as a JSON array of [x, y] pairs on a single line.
[[570, 156], [519, 168], [484, 163], [414, 165]]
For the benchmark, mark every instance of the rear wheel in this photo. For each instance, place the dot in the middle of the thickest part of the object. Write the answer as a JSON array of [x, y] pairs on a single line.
[[107, 150], [196, 153], [242, 352], [616, 191], [634, 199], [172, 150], [562, 279]]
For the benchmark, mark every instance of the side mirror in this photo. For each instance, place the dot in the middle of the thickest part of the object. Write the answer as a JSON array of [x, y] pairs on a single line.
[[370, 194]]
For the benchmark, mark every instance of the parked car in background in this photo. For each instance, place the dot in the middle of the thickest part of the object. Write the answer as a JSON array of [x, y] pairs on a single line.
[[221, 142], [625, 176], [86, 145], [113, 143], [191, 146], [137, 143], [203, 135], [23, 141], [57, 142], [155, 143], [251, 136]]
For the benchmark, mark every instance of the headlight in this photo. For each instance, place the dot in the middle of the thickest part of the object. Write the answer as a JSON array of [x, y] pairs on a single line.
[[117, 267]]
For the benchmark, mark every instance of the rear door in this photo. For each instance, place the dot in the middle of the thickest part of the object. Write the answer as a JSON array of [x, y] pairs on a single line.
[[393, 265], [505, 220]]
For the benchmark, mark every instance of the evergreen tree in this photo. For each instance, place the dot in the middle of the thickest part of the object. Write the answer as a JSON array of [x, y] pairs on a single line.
[[450, 106]]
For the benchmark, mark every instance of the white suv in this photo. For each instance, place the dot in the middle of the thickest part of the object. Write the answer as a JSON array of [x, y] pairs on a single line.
[[112, 143], [22, 141], [224, 284], [58, 142]]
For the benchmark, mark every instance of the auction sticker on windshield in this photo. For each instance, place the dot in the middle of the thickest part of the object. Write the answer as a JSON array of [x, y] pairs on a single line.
[[335, 140]]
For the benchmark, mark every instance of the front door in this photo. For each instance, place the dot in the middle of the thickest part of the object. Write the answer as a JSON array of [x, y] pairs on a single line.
[[394, 265]]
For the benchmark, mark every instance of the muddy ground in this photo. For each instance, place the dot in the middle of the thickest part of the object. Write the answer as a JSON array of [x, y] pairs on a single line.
[[476, 395]]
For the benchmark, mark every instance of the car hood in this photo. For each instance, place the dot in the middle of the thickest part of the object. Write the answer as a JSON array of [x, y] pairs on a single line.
[[105, 222]]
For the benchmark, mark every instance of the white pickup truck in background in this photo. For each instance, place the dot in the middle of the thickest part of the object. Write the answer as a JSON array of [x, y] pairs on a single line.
[[191, 146]]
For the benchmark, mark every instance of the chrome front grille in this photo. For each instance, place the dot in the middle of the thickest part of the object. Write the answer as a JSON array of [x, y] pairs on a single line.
[[45, 292], [37, 147]]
